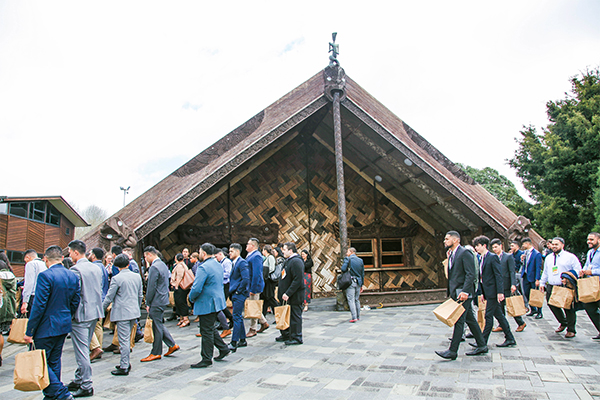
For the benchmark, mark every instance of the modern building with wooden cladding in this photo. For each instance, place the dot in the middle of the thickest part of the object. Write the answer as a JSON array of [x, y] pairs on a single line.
[[274, 178], [35, 223]]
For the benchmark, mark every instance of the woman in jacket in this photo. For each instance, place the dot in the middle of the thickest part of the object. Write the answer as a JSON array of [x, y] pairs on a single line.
[[180, 294], [268, 293], [308, 264]]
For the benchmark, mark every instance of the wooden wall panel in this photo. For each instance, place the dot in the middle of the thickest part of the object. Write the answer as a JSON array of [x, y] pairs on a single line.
[[65, 238], [35, 236], [16, 238], [3, 230], [52, 236]]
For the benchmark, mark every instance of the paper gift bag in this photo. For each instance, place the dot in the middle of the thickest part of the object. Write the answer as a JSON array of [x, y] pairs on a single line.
[[481, 303], [107, 324], [515, 306], [282, 317], [253, 308], [171, 299], [536, 298], [148, 334], [589, 289], [561, 297], [31, 371], [449, 312], [228, 303], [481, 318], [17, 331]]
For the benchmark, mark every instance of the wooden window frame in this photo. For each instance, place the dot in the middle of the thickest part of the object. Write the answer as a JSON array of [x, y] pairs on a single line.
[[377, 253]]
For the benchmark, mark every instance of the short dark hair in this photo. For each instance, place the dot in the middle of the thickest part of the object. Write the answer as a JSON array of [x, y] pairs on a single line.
[[515, 242], [179, 257], [78, 246], [482, 240], [291, 246], [453, 233], [121, 261], [53, 253], [98, 253], [559, 239], [150, 249], [350, 249], [526, 240], [595, 234], [208, 248], [268, 248], [116, 250], [255, 240], [496, 241], [28, 252], [236, 246]]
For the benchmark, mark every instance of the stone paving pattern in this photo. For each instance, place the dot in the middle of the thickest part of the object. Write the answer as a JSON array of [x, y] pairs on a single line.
[[389, 353]]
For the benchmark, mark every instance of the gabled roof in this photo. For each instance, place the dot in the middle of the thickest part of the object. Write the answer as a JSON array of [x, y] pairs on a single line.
[[58, 202], [428, 187]]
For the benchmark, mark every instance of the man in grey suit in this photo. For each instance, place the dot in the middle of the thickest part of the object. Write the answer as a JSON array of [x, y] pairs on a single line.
[[126, 294], [509, 278], [157, 298], [85, 318]]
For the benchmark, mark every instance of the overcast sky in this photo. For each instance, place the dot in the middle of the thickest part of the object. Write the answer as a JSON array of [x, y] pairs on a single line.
[[98, 95]]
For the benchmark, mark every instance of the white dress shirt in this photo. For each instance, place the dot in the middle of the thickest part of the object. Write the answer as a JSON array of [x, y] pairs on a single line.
[[32, 270], [557, 263]]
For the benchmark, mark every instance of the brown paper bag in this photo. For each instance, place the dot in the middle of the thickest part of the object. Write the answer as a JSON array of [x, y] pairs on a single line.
[[536, 298], [588, 289], [449, 312], [31, 371], [561, 297], [228, 303], [107, 324], [515, 306], [253, 308], [17, 331], [481, 318], [148, 334], [282, 316], [171, 299]]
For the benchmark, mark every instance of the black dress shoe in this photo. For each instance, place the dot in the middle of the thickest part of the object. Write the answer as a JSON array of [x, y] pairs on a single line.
[[532, 313], [202, 364], [462, 339], [477, 351], [448, 355], [118, 371], [83, 393], [232, 346], [119, 367], [110, 347], [539, 315], [242, 343], [73, 386], [594, 338], [469, 336], [172, 318], [281, 338], [292, 342], [138, 337], [474, 345], [507, 343], [222, 355]]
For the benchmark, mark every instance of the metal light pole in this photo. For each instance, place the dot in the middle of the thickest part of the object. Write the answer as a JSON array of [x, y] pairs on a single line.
[[125, 191]]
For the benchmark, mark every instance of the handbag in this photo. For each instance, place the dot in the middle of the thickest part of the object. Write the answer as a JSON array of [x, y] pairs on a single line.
[[344, 280], [31, 371], [282, 316], [536, 298], [253, 308], [449, 312], [515, 305], [171, 299], [17, 331], [588, 289], [561, 297], [188, 280]]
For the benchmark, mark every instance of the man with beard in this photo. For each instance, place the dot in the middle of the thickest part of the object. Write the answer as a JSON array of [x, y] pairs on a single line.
[[592, 267]]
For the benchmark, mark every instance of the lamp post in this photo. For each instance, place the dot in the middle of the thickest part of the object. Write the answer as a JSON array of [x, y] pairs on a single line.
[[125, 191]]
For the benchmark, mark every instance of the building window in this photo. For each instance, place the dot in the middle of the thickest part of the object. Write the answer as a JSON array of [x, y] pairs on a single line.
[[67, 231], [41, 211], [37, 210], [19, 209], [369, 250], [391, 253], [3, 208], [52, 216], [15, 256], [364, 250]]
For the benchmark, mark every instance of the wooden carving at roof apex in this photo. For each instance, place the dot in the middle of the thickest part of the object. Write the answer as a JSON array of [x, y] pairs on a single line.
[[519, 229], [335, 77], [196, 235], [116, 231]]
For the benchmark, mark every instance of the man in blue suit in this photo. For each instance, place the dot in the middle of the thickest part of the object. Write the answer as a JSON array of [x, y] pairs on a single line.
[[257, 284], [532, 272], [208, 298], [239, 281], [54, 305]]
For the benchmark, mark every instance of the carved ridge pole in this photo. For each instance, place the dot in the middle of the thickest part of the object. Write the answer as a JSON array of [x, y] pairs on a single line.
[[339, 169]]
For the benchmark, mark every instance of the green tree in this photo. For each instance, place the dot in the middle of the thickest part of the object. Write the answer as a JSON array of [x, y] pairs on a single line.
[[500, 187], [559, 167]]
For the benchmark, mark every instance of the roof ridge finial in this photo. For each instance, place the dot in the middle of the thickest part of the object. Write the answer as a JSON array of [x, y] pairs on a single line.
[[334, 49]]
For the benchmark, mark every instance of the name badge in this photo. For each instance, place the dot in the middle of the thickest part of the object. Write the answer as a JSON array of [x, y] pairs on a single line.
[[554, 270]]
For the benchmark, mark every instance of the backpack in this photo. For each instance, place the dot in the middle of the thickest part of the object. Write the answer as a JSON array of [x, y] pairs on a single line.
[[276, 274]]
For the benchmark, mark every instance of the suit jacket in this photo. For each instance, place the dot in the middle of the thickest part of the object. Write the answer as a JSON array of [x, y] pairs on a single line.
[[255, 262], [491, 276], [207, 291], [105, 280], [507, 267], [239, 280], [90, 281], [461, 273], [55, 303], [292, 280], [126, 294], [533, 270], [157, 292]]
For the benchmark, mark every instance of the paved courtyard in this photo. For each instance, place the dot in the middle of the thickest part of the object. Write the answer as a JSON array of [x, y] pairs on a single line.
[[389, 353]]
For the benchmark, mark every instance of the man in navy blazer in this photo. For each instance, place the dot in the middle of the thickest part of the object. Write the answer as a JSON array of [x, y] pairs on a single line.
[[257, 284], [54, 305], [532, 272], [209, 298], [239, 281]]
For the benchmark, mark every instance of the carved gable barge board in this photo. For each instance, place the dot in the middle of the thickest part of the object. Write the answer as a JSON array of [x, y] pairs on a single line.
[[230, 166]]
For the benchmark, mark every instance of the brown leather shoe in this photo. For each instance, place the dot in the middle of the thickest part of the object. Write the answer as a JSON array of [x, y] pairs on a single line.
[[560, 328], [263, 327], [151, 357], [198, 335], [226, 333], [569, 335], [521, 328], [497, 329], [96, 354], [251, 332], [172, 350]]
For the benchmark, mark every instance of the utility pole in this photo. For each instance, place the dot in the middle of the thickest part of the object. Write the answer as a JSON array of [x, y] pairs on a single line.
[[125, 191]]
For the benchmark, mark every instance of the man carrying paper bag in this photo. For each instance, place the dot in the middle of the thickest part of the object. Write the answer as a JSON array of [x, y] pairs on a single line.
[[592, 269], [461, 286]]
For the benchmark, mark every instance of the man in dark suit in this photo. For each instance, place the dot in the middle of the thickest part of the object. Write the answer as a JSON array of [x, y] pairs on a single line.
[[532, 272], [54, 305], [239, 281], [461, 287], [509, 277], [492, 288], [257, 284], [291, 290], [157, 298]]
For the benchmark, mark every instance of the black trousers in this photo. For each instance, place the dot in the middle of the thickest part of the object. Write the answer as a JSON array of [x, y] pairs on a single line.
[[592, 310], [268, 295], [210, 336], [518, 320], [294, 332], [493, 310], [226, 310], [459, 328], [565, 317]]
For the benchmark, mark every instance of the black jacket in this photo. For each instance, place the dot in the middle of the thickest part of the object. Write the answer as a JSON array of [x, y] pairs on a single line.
[[292, 280], [507, 267], [461, 275], [491, 277]]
